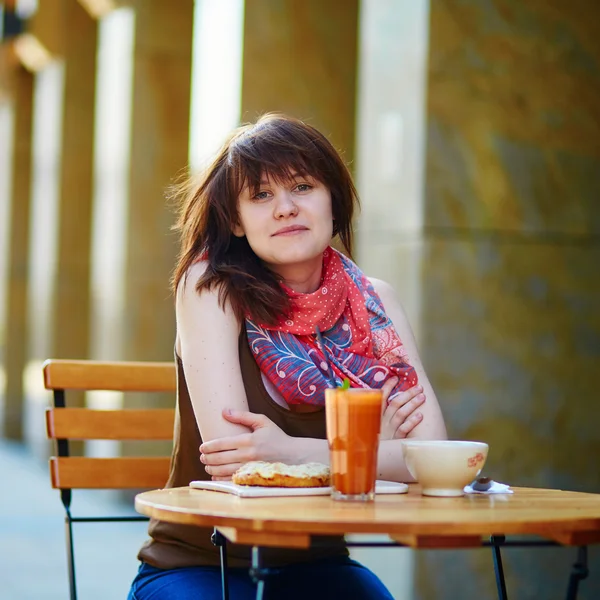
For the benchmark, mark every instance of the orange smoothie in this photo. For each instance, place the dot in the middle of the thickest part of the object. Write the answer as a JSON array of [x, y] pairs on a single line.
[[353, 425]]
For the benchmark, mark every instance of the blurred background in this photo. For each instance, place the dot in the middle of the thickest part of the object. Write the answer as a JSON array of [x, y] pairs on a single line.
[[472, 128]]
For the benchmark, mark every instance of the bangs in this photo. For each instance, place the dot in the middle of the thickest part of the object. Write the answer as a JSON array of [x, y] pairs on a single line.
[[282, 156]]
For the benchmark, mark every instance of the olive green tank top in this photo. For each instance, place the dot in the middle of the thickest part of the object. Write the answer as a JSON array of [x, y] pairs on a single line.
[[172, 545]]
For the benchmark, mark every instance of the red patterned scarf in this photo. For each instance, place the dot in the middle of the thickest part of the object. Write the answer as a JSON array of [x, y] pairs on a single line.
[[359, 338]]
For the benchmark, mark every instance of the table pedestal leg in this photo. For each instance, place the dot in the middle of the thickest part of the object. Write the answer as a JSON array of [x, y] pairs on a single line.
[[258, 573], [578, 573], [218, 539], [497, 540]]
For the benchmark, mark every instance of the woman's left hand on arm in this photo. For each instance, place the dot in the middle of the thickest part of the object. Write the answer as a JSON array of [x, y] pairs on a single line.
[[266, 441], [222, 457]]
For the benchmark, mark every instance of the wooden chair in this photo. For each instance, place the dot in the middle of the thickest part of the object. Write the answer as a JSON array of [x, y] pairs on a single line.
[[64, 424]]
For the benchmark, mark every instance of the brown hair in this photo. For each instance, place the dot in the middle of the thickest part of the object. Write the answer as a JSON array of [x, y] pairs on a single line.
[[277, 146]]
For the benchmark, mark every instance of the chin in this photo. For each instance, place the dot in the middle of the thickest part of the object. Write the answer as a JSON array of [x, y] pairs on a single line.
[[292, 256]]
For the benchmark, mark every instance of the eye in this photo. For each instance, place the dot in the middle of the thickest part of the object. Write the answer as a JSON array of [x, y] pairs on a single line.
[[304, 187], [261, 196]]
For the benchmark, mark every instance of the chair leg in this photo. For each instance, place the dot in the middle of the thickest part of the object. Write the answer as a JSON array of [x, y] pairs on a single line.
[[579, 572], [500, 583], [70, 556]]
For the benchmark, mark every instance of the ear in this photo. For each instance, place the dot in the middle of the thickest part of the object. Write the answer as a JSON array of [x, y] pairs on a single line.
[[238, 230]]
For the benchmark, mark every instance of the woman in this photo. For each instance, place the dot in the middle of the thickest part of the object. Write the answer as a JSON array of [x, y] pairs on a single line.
[[255, 276]]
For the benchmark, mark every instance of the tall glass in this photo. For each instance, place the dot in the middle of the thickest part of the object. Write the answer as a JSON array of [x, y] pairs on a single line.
[[353, 425]]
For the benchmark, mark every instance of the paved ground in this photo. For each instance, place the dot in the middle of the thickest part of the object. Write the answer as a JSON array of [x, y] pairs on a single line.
[[32, 543]]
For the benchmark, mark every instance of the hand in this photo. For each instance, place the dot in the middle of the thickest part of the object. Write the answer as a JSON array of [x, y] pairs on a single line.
[[266, 441], [400, 416]]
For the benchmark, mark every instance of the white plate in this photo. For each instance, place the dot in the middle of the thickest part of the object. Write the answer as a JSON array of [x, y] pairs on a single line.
[[251, 491]]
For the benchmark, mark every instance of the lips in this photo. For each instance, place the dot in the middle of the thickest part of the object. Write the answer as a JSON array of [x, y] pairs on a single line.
[[290, 230]]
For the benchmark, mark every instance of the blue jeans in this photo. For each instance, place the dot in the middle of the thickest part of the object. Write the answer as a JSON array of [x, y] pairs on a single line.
[[322, 580]]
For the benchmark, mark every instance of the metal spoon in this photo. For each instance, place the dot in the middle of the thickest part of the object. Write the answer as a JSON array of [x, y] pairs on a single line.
[[482, 484]]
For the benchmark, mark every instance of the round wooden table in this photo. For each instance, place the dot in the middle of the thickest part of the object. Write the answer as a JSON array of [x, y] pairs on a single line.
[[571, 518], [568, 518]]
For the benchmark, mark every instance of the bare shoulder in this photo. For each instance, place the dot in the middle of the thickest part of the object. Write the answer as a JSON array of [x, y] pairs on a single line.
[[191, 277], [387, 294], [205, 307], [186, 289]]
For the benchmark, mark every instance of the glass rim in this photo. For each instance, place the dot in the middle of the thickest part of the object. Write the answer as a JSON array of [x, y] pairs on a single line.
[[442, 443], [352, 390]]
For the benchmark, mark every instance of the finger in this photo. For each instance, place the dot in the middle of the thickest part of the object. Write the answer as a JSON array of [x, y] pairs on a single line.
[[402, 406], [408, 425], [389, 385], [221, 478], [216, 459], [244, 417], [407, 410], [403, 397], [241, 455], [386, 390], [223, 470], [227, 443]]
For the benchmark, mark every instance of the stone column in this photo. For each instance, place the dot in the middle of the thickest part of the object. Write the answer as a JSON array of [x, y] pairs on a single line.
[[159, 153], [300, 59], [15, 318], [71, 302], [59, 306], [391, 145]]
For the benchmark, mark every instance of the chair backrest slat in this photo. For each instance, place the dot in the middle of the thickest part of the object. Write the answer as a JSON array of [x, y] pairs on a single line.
[[78, 472], [114, 376], [74, 472], [126, 424]]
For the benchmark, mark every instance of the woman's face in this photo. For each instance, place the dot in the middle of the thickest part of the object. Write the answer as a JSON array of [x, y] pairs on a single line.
[[286, 223]]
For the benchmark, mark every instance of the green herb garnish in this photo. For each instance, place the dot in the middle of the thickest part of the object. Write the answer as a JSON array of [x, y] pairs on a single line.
[[346, 384]]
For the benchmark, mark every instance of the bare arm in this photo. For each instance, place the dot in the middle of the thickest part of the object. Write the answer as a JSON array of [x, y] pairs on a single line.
[[208, 346], [432, 426]]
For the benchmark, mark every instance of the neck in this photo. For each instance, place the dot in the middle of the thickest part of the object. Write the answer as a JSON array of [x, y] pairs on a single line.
[[303, 278]]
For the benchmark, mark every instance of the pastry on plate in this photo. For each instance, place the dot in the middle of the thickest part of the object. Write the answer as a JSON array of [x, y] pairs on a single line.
[[281, 475]]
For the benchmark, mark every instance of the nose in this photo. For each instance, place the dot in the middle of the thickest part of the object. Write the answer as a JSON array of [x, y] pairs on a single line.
[[285, 205]]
